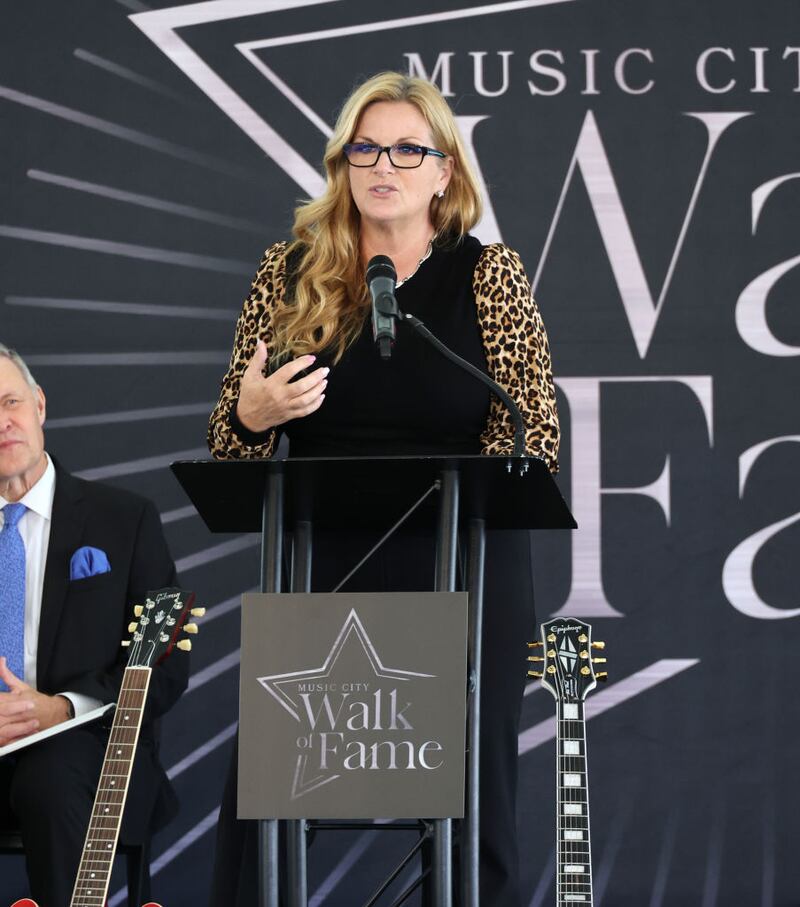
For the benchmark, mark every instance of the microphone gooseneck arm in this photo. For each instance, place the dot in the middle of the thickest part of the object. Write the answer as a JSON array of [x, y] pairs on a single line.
[[391, 311]]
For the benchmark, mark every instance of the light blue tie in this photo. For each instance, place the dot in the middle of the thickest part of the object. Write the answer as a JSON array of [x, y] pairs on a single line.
[[12, 592]]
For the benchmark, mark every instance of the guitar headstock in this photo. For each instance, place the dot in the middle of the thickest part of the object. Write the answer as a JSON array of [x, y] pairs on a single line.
[[568, 664], [160, 621]]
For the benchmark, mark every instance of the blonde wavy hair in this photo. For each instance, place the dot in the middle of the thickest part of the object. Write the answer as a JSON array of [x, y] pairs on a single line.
[[330, 299]]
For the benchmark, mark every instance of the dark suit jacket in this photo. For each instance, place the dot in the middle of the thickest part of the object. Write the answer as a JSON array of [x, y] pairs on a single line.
[[84, 621]]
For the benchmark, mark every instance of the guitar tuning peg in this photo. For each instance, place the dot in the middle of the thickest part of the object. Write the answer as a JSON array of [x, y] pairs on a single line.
[[132, 626], [125, 642], [138, 610], [603, 675], [598, 644], [192, 628], [198, 612], [535, 658], [532, 645], [534, 673], [599, 661], [185, 645], [583, 638]]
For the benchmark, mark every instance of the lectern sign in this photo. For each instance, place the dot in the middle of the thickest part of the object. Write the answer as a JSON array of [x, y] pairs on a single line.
[[352, 705]]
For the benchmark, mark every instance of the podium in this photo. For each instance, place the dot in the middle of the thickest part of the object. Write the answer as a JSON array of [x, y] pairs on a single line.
[[444, 494]]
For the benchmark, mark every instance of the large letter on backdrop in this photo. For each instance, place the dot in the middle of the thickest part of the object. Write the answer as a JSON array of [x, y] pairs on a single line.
[[737, 574], [590, 156], [587, 597], [751, 307]]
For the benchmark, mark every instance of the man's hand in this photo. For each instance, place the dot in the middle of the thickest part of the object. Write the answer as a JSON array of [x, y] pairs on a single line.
[[267, 402], [24, 711]]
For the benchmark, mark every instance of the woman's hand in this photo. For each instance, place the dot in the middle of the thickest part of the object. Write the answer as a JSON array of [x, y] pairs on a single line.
[[267, 402]]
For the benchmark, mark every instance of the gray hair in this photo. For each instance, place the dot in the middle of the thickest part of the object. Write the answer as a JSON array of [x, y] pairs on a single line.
[[14, 356]]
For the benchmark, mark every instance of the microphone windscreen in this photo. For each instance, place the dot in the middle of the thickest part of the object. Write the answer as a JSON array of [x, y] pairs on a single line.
[[381, 266]]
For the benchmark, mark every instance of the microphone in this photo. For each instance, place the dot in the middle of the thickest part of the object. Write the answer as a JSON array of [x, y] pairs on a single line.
[[381, 280]]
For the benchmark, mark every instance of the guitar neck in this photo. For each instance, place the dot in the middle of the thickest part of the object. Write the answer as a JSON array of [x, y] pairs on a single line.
[[97, 859], [573, 844]]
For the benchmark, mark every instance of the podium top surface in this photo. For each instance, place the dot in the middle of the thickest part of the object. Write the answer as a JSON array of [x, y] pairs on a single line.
[[342, 493]]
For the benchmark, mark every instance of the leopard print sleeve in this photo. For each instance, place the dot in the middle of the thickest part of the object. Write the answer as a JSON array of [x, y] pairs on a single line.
[[517, 354], [255, 322]]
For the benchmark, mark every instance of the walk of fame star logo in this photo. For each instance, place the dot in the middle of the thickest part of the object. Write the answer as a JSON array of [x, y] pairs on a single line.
[[289, 687]]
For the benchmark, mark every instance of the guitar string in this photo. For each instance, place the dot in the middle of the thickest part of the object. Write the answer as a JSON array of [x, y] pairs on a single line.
[[107, 797], [565, 795], [131, 696], [575, 852], [81, 890], [93, 837]]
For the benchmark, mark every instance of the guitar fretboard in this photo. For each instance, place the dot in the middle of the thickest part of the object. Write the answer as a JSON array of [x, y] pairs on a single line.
[[573, 845], [94, 872]]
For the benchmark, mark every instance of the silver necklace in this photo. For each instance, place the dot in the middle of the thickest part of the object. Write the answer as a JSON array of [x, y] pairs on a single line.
[[424, 258]]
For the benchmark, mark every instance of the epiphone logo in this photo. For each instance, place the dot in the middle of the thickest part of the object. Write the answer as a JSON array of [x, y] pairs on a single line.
[[567, 628]]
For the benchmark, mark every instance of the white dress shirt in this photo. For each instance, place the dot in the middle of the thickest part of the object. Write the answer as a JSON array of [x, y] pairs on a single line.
[[34, 527]]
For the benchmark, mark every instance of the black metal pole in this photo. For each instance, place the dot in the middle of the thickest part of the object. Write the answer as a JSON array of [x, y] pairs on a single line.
[[470, 827], [296, 844], [271, 561], [445, 581]]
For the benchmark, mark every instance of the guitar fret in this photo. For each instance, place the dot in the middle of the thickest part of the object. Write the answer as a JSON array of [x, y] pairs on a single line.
[[94, 871]]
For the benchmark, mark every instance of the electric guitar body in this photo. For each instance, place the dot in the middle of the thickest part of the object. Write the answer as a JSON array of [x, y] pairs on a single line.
[[27, 902]]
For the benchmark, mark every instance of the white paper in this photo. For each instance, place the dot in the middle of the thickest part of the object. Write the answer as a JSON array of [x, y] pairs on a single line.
[[55, 729]]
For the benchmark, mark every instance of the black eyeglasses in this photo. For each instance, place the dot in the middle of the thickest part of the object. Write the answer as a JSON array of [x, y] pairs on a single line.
[[403, 156]]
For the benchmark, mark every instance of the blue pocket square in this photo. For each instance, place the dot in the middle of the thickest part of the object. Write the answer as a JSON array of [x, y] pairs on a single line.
[[88, 561]]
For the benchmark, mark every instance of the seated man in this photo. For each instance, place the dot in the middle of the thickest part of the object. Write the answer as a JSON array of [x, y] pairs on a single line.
[[60, 635]]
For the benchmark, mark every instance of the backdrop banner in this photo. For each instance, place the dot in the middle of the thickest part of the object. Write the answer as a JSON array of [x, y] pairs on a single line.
[[644, 159]]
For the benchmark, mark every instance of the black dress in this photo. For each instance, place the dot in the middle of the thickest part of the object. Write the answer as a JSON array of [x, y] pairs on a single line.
[[419, 403]]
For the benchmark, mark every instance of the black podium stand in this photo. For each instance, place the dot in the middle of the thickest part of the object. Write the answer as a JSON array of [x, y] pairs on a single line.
[[475, 493]]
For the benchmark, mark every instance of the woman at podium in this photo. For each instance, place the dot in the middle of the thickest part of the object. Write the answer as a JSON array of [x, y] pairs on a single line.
[[304, 365]]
